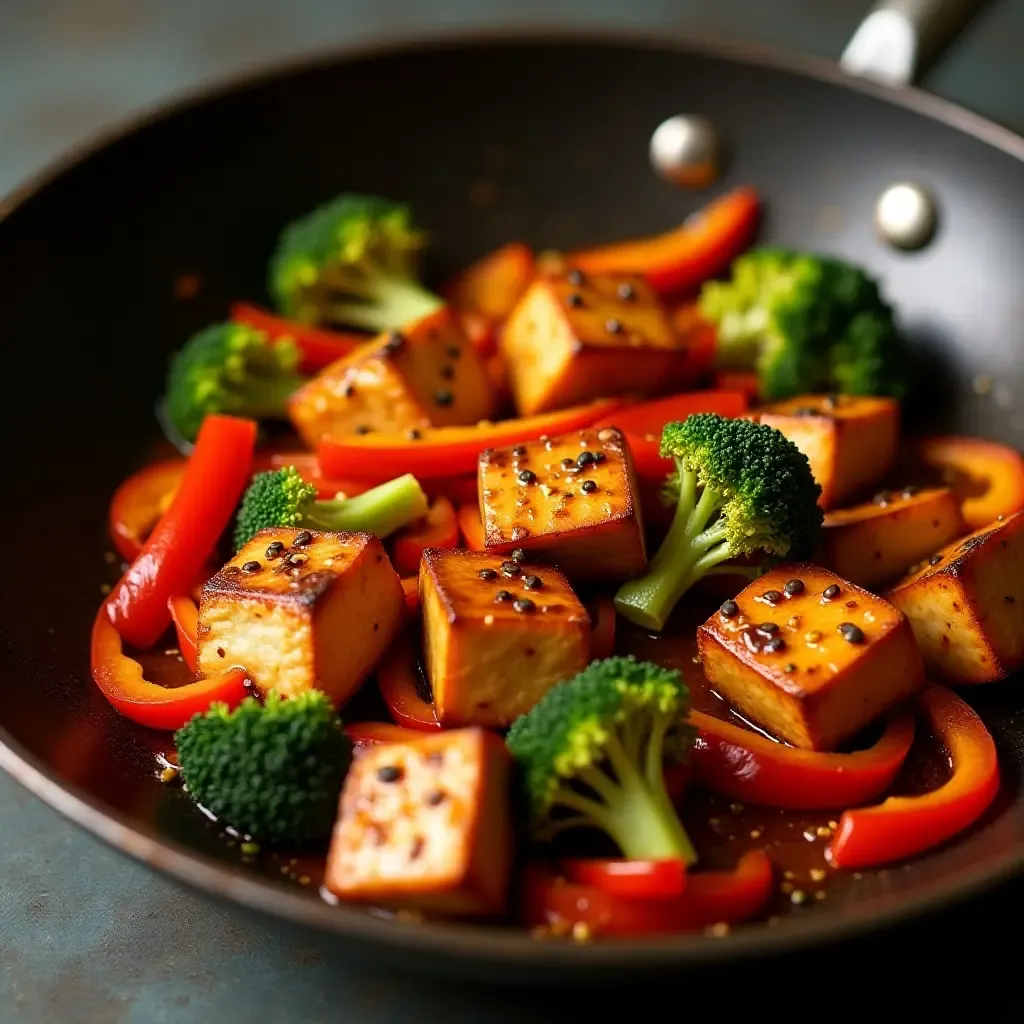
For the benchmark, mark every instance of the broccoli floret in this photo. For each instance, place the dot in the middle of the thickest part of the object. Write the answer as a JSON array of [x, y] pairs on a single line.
[[273, 771], [229, 368], [592, 753], [806, 323], [281, 497], [742, 488], [352, 262]]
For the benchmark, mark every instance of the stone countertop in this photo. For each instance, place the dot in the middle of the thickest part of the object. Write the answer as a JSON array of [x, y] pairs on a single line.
[[85, 934]]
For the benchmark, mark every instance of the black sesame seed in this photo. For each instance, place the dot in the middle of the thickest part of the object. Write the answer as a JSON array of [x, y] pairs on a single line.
[[389, 773], [576, 278], [909, 491], [789, 668], [251, 566], [627, 292], [504, 595], [487, 574], [793, 587], [435, 797], [527, 476], [350, 390], [533, 582], [772, 596], [524, 604], [395, 341], [805, 410], [730, 609], [768, 628], [775, 645], [510, 568], [519, 555], [584, 459], [363, 429], [831, 592], [599, 457], [302, 538], [575, 300], [274, 550], [443, 398], [519, 450], [568, 463], [588, 487], [613, 326], [447, 372], [414, 434], [850, 633], [882, 498], [935, 559], [453, 352], [1009, 599]]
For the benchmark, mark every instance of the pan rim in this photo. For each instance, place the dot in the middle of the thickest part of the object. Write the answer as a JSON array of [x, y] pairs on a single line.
[[473, 943]]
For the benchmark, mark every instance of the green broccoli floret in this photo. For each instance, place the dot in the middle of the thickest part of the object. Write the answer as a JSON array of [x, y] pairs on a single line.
[[272, 771], [352, 262], [281, 497], [592, 752], [742, 488], [229, 368], [806, 323]]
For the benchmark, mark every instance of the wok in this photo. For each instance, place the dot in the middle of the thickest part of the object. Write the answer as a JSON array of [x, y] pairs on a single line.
[[558, 124]]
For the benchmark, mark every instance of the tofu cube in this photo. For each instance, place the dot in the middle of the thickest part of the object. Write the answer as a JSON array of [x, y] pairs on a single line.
[[426, 824], [572, 338], [810, 657], [571, 500], [875, 543], [966, 605], [425, 375], [850, 441], [302, 610], [498, 634]]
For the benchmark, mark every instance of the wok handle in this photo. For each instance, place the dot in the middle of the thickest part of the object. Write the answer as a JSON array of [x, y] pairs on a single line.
[[900, 39]]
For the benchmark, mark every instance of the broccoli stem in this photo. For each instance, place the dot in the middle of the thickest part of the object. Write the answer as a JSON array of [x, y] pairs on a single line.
[[381, 510], [389, 300], [265, 398], [691, 549]]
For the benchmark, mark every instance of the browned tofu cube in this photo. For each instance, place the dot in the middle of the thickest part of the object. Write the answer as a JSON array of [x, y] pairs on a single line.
[[426, 375], [876, 542], [498, 634], [850, 441], [966, 605], [570, 499], [301, 610], [425, 825], [573, 338], [810, 657]]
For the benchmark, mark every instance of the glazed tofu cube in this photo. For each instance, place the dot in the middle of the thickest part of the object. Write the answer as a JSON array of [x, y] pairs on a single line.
[[425, 825], [966, 605], [875, 543], [301, 610], [571, 500], [573, 338], [850, 441], [810, 657], [498, 634], [426, 375]]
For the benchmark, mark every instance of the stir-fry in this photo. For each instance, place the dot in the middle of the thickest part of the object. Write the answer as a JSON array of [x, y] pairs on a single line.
[[641, 607]]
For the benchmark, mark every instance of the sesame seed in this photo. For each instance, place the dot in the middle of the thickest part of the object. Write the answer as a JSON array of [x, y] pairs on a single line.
[[510, 568], [588, 487], [768, 628], [935, 559], [568, 463], [302, 538], [772, 596], [775, 645], [389, 773], [533, 582], [503, 595], [414, 434], [519, 555], [793, 587], [447, 372], [488, 574], [453, 352], [519, 450], [575, 300], [524, 604], [584, 459], [729, 609], [831, 592], [395, 341], [274, 550], [813, 636], [443, 397], [613, 326], [362, 430], [576, 278], [626, 292], [908, 491], [850, 633], [789, 668], [252, 566], [527, 476]]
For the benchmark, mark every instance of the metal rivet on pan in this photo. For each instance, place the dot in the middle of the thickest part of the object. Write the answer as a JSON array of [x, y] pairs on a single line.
[[906, 215], [686, 150]]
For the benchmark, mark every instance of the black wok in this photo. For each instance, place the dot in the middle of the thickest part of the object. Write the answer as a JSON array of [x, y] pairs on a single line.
[[559, 125]]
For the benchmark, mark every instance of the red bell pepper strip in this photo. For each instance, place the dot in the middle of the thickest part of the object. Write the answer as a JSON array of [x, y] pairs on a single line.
[[602, 626], [187, 533], [711, 897], [185, 616], [371, 734], [446, 451], [471, 527], [121, 680], [308, 466], [633, 879], [317, 347], [642, 424], [745, 766], [904, 826], [397, 678], [438, 529], [411, 589], [139, 502], [682, 259]]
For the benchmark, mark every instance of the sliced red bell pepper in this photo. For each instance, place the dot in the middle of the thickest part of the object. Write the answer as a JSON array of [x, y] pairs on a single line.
[[317, 347], [139, 502], [682, 259], [308, 466], [185, 616], [397, 677], [642, 424], [711, 897], [121, 680], [602, 626], [187, 533], [411, 589], [743, 381], [633, 879], [446, 451], [471, 527], [370, 734], [745, 766], [904, 826], [438, 529], [986, 476]]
